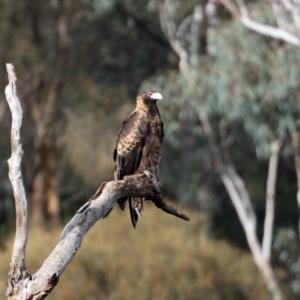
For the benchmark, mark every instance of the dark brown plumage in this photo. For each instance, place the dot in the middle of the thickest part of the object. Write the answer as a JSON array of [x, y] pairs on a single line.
[[139, 145]]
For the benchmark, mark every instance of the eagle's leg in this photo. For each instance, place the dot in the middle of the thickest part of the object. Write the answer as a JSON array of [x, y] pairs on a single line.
[[152, 173], [134, 213]]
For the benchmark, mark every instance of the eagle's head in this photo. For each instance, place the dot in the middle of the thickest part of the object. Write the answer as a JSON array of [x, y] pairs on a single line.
[[149, 96]]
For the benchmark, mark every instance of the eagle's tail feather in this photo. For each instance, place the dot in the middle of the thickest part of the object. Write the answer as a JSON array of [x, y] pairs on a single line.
[[136, 208]]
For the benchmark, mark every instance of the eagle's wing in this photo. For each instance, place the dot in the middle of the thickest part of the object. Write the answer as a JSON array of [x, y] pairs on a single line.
[[130, 143], [127, 155]]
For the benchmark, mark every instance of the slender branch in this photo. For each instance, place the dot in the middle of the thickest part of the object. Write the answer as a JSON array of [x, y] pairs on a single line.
[[240, 185], [236, 199], [276, 33], [270, 200], [17, 265], [166, 15], [243, 16], [197, 19], [281, 21]]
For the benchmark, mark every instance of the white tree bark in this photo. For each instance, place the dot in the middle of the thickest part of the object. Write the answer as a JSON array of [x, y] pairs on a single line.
[[241, 201], [17, 265], [174, 36], [270, 200], [239, 196], [285, 31], [21, 285]]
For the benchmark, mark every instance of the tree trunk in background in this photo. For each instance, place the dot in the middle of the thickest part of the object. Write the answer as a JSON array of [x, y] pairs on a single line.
[[45, 200], [38, 184], [43, 99], [52, 202]]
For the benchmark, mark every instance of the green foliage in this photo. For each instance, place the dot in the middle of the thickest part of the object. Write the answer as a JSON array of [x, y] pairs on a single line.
[[250, 93], [251, 82], [262, 88], [286, 246]]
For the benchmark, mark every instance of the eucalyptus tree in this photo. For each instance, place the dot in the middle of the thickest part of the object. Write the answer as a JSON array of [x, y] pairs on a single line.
[[236, 92]]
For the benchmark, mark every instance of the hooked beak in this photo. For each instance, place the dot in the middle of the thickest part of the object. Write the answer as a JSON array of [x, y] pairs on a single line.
[[156, 96]]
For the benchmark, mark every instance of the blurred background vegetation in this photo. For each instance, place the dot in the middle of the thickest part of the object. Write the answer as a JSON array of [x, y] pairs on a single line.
[[80, 65]]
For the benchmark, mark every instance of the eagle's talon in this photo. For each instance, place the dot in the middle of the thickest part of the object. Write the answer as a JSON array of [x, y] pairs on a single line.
[[155, 181], [137, 212], [148, 174]]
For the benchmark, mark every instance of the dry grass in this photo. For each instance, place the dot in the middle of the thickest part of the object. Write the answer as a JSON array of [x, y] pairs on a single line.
[[164, 258]]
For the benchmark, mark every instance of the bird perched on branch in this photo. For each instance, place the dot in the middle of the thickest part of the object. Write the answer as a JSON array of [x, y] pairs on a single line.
[[138, 147]]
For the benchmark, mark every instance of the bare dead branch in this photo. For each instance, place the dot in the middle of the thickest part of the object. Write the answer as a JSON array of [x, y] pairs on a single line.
[[45, 279], [17, 265], [142, 185], [99, 206]]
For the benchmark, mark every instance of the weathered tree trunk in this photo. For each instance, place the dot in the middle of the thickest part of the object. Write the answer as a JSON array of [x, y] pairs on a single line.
[[17, 270], [45, 199], [38, 185]]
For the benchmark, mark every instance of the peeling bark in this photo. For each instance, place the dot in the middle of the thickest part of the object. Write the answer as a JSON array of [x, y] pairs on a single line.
[[17, 270]]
